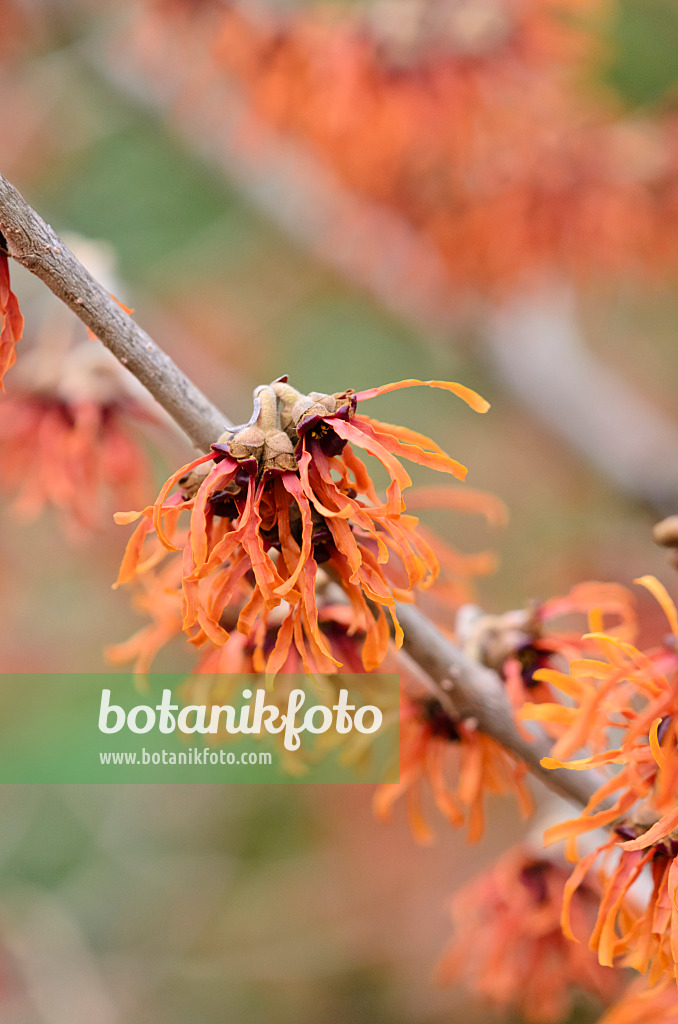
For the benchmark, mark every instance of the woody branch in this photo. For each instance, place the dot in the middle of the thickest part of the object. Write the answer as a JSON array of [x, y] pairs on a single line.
[[476, 691]]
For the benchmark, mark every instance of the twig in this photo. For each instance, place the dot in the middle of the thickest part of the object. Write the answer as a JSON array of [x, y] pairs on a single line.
[[477, 691], [33, 244]]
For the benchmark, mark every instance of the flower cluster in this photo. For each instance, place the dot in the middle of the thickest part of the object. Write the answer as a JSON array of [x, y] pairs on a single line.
[[468, 120], [518, 644], [509, 947], [456, 761], [65, 440], [275, 499], [459, 763], [623, 705], [64, 437], [157, 597]]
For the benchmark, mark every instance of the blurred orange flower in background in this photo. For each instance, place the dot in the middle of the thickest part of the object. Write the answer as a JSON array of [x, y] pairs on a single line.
[[473, 122], [509, 947], [458, 763], [65, 440]]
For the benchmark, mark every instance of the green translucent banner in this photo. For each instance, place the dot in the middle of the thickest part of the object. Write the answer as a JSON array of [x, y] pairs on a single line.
[[202, 728]]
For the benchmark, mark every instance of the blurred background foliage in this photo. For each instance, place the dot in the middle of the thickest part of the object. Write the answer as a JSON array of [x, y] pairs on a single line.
[[203, 904]]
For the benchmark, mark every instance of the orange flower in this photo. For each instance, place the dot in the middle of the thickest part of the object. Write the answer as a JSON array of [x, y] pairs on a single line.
[[509, 946], [279, 495], [64, 439], [217, 678], [157, 595], [11, 320], [459, 764], [519, 644], [643, 1005], [52, 453], [630, 697], [550, 641], [470, 122], [336, 626]]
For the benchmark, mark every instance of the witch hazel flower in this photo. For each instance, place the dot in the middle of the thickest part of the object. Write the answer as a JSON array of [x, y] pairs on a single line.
[[460, 765], [448, 755], [520, 643], [509, 947], [65, 438], [281, 495], [623, 705], [156, 595], [68, 423]]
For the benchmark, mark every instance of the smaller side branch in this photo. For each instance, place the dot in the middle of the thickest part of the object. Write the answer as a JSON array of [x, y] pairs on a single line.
[[33, 244], [478, 692]]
